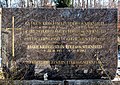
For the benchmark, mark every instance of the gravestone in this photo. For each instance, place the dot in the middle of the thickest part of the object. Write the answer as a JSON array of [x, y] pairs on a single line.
[[65, 43]]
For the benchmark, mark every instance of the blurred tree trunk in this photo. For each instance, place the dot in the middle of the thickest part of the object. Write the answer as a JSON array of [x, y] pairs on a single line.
[[79, 3], [42, 2], [109, 3], [87, 4], [72, 3], [94, 3], [6, 3], [83, 3], [90, 3], [36, 3], [10, 2], [27, 3], [99, 3]]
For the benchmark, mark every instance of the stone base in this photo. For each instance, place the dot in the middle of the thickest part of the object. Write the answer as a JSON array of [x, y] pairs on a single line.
[[68, 82], [50, 82]]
